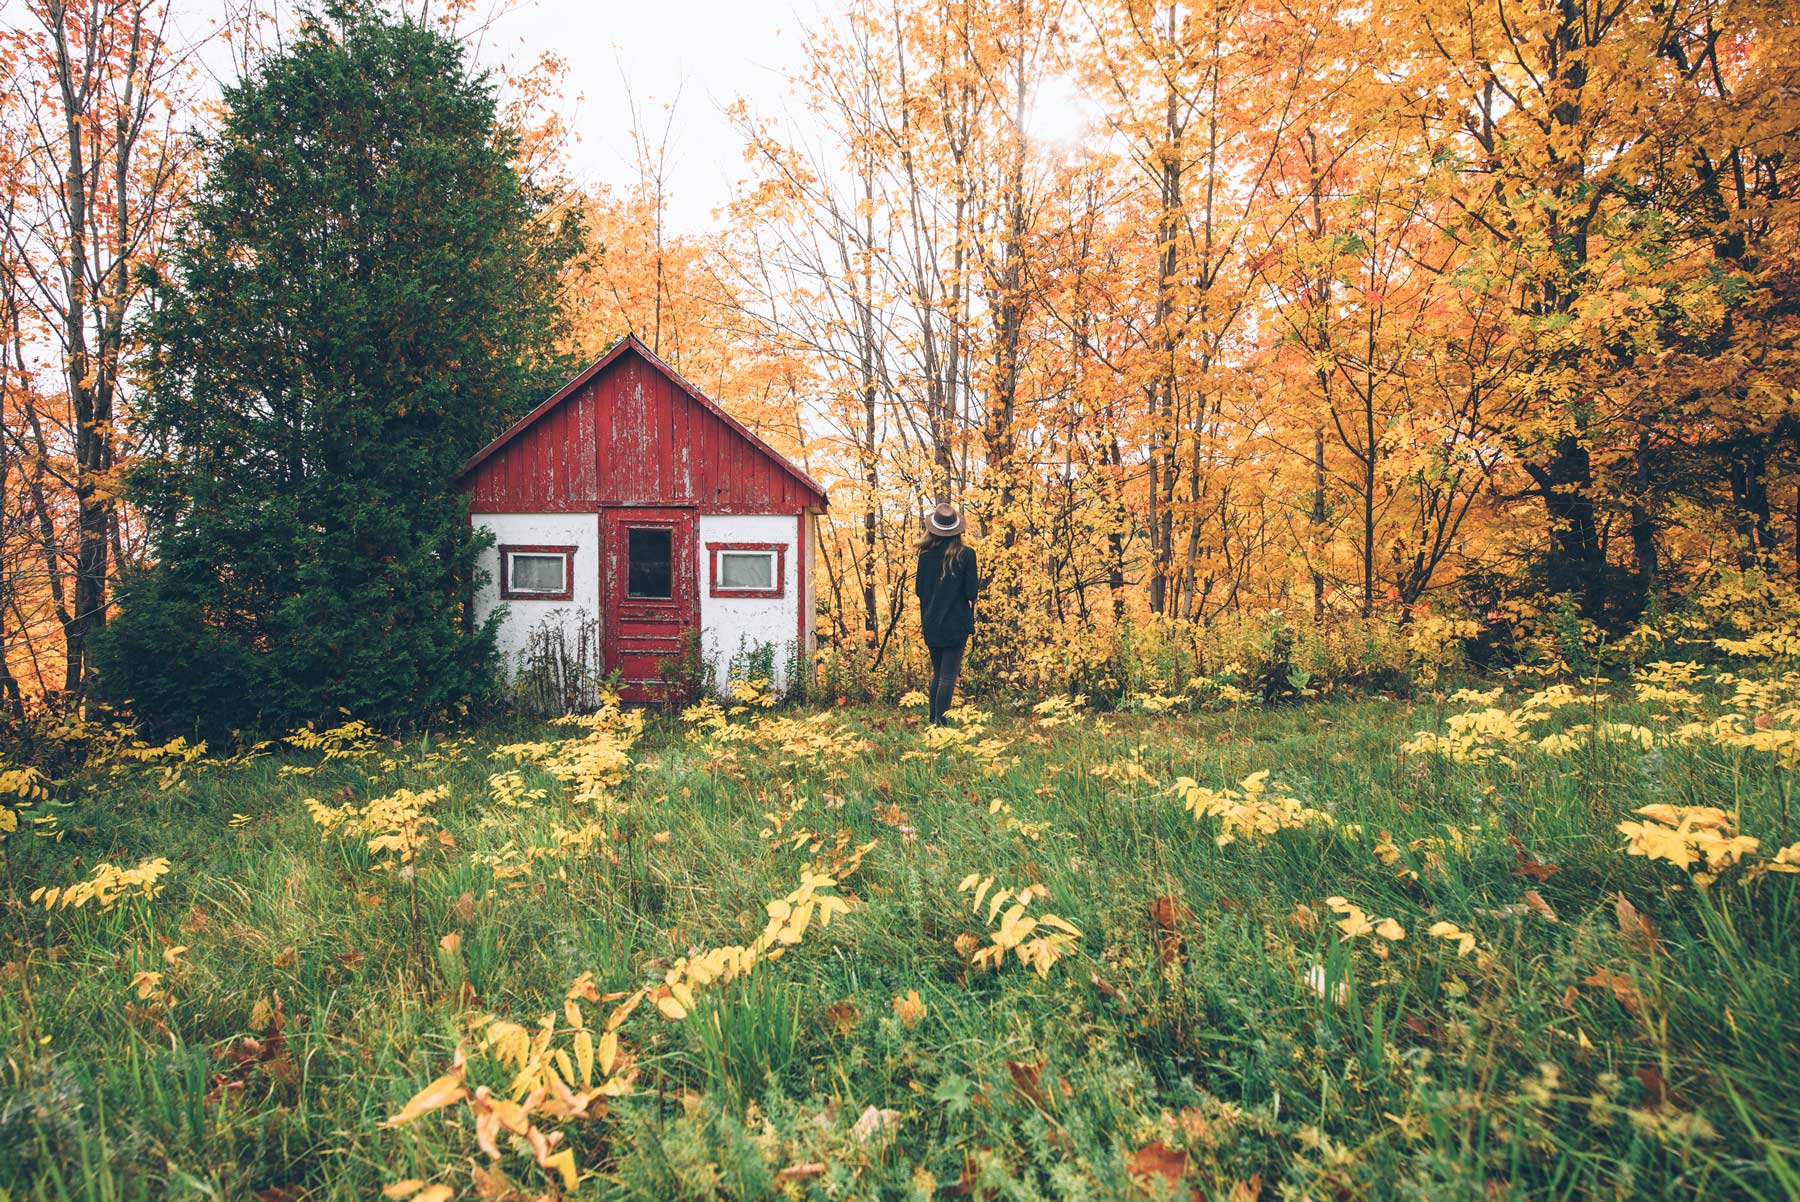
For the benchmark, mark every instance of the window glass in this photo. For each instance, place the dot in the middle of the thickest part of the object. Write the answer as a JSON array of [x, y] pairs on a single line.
[[538, 573], [647, 569], [747, 569]]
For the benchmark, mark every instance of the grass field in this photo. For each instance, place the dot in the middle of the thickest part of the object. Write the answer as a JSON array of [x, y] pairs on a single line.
[[1589, 1024]]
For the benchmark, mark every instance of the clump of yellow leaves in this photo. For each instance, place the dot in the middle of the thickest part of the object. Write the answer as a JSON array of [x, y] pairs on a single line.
[[1061, 710], [1491, 734], [1690, 836], [1776, 733], [755, 692], [1432, 850], [1250, 810], [969, 737], [1354, 922], [909, 1008], [1038, 942], [592, 765], [814, 743], [1777, 642], [565, 1074], [25, 785], [1481, 697], [396, 826], [171, 757], [512, 863], [835, 854], [1473, 738], [107, 887], [789, 918], [1125, 772], [352, 740], [1465, 942], [1580, 735], [510, 790], [1012, 822], [558, 1076]]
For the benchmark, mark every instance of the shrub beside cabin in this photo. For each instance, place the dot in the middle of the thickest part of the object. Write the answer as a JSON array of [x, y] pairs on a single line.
[[630, 513]]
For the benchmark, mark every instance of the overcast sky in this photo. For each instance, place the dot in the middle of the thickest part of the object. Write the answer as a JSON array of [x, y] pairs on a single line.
[[697, 54]]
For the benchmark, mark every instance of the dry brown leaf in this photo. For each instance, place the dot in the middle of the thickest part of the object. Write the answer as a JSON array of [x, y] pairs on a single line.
[[463, 911], [1539, 906], [1166, 916], [1530, 866], [843, 1017], [1621, 986], [1157, 1159], [801, 1172], [492, 1185], [1025, 1080], [1635, 930], [1247, 1191], [287, 957], [1424, 1029], [1111, 992]]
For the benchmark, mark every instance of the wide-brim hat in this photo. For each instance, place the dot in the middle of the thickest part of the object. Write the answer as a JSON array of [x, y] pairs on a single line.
[[946, 521]]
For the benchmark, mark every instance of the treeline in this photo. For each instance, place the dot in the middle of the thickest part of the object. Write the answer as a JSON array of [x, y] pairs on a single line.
[[1345, 311], [1202, 309]]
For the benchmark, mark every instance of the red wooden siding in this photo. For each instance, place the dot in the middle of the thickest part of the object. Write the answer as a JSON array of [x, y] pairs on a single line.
[[630, 433]]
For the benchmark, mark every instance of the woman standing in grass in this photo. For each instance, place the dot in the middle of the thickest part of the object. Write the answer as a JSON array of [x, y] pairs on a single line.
[[946, 584]]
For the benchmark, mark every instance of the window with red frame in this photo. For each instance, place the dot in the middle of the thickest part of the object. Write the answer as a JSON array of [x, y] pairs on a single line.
[[537, 573], [747, 569]]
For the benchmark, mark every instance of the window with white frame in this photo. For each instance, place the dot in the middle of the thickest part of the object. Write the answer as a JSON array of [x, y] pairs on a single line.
[[537, 573], [747, 569]]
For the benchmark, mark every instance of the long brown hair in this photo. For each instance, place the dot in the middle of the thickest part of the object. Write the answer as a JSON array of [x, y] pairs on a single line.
[[951, 543]]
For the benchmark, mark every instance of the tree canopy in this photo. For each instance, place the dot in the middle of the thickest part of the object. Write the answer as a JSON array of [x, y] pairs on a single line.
[[364, 291]]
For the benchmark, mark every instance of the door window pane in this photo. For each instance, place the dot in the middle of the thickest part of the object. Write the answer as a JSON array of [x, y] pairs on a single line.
[[648, 571], [538, 573], [747, 569]]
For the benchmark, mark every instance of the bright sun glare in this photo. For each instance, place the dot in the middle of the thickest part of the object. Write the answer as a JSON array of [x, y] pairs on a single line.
[[1060, 115]]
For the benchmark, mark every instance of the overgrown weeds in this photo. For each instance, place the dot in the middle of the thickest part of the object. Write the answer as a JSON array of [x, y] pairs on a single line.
[[1527, 939]]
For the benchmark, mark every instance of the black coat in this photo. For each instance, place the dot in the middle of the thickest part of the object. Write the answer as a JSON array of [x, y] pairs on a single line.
[[946, 595]]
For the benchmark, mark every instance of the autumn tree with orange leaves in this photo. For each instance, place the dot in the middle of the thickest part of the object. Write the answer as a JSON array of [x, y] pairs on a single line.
[[1342, 314], [94, 166]]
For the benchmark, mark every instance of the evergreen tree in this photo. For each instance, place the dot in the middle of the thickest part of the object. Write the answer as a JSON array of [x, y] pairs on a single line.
[[364, 294]]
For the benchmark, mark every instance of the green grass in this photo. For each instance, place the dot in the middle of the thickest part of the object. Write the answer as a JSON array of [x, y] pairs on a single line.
[[1497, 1075]]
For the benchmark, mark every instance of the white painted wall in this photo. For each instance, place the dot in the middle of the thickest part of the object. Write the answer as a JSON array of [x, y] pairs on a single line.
[[731, 624], [727, 624], [578, 530]]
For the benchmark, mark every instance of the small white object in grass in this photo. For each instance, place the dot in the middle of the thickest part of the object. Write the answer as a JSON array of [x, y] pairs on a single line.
[[1315, 980], [876, 1124]]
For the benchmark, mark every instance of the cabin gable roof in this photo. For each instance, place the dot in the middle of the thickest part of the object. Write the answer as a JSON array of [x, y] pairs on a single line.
[[631, 346]]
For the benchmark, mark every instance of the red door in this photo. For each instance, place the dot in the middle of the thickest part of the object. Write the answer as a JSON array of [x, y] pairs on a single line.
[[651, 594]]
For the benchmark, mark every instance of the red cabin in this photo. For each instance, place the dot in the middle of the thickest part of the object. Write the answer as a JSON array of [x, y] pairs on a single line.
[[631, 512]]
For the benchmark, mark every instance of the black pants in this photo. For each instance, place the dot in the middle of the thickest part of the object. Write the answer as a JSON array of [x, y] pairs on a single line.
[[946, 663]]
